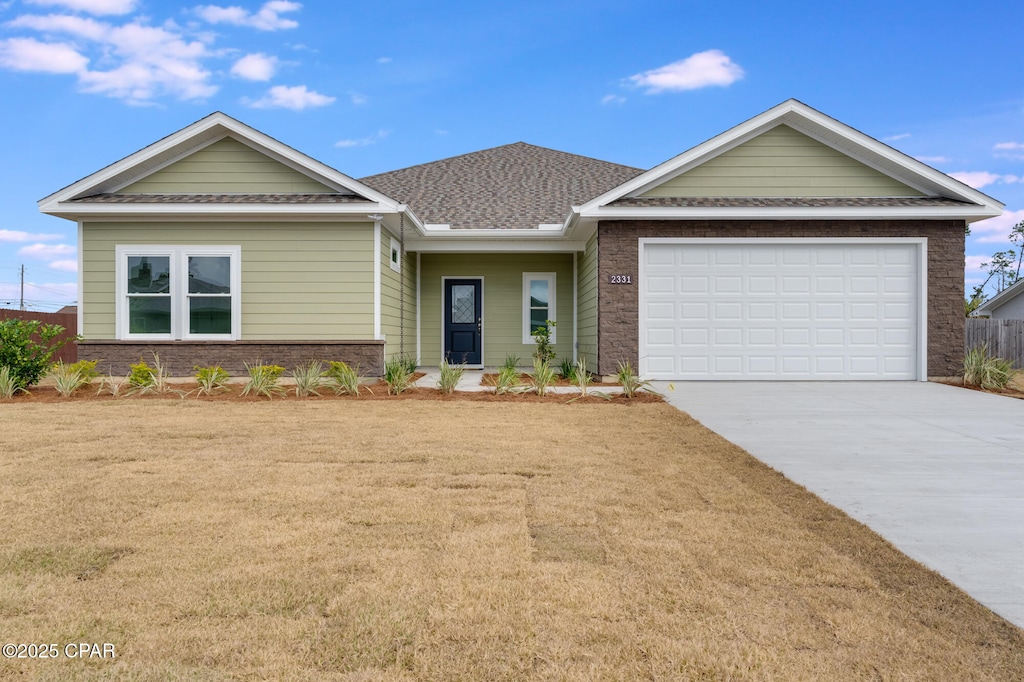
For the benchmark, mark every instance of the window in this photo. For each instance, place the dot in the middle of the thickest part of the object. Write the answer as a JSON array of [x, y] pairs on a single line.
[[178, 292], [396, 255], [538, 303]]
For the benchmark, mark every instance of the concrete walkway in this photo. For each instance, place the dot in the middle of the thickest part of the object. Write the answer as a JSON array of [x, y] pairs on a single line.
[[937, 470]]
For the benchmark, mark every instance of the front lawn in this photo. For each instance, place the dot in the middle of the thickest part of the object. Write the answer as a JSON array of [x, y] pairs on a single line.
[[384, 540]]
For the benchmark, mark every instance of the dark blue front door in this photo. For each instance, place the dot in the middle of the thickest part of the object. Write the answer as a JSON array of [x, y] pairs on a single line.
[[463, 323]]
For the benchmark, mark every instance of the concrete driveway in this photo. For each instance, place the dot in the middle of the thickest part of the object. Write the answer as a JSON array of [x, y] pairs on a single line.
[[937, 470]]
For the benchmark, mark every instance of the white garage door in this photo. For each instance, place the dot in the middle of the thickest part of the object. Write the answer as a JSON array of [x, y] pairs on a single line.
[[796, 310]]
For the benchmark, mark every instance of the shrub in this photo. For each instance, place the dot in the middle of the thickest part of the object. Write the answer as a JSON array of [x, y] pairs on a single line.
[[211, 379], [28, 359], [507, 381], [631, 383], [567, 368], [345, 378], [544, 352], [450, 375], [308, 378], [141, 375], [67, 378], [87, 368], [511, 361], [263, 380], [397, 375], [981, 369], [8, 384], [543, 375]]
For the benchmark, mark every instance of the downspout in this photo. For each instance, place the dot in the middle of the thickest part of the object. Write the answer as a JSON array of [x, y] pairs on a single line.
[[401, 284], [419, 354], [575, 290]]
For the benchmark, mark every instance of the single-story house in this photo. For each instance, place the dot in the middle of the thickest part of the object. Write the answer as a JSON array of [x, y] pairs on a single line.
[[1008, 304], [788, 247]]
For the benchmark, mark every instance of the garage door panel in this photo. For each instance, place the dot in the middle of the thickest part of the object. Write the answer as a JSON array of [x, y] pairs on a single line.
[[782, 311]]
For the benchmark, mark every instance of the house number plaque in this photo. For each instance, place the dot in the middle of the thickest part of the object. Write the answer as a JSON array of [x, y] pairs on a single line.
[[620, 279]]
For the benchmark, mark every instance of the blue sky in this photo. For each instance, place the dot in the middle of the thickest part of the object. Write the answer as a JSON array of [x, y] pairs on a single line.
[[371, 87]]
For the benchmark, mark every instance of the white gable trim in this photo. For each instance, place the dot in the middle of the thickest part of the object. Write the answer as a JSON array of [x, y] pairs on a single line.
[[200, 134], [820, 127]]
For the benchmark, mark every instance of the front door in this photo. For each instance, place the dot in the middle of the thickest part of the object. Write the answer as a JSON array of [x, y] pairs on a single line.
[[463, 321]]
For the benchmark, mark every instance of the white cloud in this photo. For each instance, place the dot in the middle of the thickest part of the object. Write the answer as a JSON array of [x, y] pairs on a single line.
[[255, 67], [296, 98], [28, 54], [20, 236], [147, 61], [894, 138], [384, 60], [996, 230], [65, 265], [364, 141], [933, 159], [1009, 150], [46, 251], [357, 98], [92, 6], [267, 18], [701, 70], [979, 179], [613, 99]]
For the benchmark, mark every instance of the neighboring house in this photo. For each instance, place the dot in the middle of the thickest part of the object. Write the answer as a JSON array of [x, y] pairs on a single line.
[[1008, 304], [788, 247]]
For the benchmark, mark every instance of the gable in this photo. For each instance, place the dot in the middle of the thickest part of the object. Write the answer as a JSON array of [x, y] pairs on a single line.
[[781, 162], [226, 167]]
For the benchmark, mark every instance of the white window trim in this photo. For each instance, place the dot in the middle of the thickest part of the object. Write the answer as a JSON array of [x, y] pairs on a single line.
[[178, 255], [552, 314], [396, 249]]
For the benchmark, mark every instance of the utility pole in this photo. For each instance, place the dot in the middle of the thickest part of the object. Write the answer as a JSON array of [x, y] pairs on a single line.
[[22, 286]]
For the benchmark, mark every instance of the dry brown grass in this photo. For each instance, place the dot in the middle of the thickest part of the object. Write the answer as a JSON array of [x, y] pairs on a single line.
[[449, 541]]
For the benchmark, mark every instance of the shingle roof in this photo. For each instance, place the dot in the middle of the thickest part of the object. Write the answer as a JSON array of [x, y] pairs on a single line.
[[324, 198], [513, 186], [785, 202]]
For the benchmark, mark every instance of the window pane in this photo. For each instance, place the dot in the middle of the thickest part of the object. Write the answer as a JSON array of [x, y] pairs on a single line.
[[149, 314], [209, 315], [538, 293], [538, 318], [463, 304], [149, 274], [209, 275]]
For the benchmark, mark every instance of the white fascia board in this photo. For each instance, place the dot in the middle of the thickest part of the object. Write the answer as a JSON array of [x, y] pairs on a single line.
[[492, 246], [966, 213], [214, 126], [809, 121], [74, 210]]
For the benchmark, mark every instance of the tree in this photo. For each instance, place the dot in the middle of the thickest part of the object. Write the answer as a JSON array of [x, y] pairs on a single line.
[[1003, 269], [27, 348]]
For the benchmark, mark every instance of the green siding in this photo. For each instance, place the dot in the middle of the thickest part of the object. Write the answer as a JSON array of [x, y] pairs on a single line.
[[300, 281], [782, 163], [390, 303], [502, 301], [226, 166], [587, 304]]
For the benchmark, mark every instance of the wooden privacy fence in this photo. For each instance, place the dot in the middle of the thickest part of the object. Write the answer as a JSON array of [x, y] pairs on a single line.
[[69, 353], [1005, 338]]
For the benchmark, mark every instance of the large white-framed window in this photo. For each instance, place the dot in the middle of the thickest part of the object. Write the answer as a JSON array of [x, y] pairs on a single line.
[[538, 303], [178, 292]]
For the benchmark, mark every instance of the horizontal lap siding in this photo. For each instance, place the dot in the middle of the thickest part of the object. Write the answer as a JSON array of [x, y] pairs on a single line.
[[587, 312], [300, 281], [782, 163], [226, 166], [390, 303], [502, 300]]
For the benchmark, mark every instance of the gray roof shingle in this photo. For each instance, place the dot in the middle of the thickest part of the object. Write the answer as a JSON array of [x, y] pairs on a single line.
[[513, 186], [324, 198]]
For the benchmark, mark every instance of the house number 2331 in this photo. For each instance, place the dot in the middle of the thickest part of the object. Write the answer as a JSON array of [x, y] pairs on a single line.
[[620, 279]]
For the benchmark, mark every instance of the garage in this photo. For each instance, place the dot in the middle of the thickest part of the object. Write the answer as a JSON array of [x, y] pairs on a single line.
[[782, 309]]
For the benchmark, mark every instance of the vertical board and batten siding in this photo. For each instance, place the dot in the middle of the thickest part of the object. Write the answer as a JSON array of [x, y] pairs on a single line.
[[1004, 338], [226, 166], [502, 301], [782, 162], [300, 281], [586, 315], [390, 301]]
